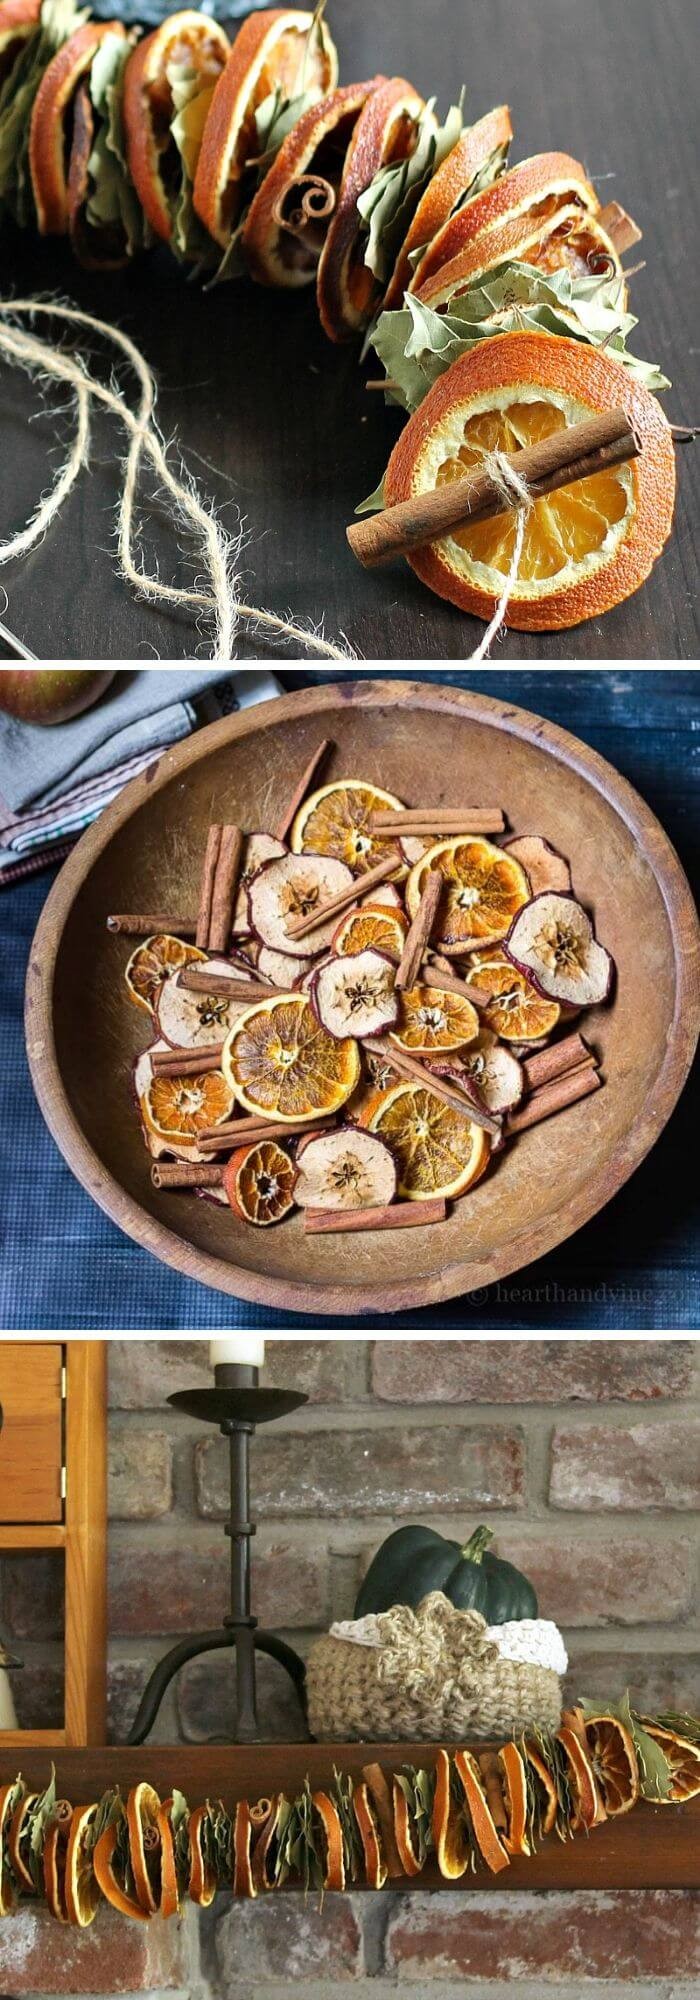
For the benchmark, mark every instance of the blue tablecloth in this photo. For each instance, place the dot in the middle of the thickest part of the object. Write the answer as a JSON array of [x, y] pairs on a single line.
[[65, 1266]]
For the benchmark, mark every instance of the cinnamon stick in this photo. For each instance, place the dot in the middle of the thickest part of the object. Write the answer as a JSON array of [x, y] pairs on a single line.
[[151, 926], [440, 820], [575, 452], [413, 1071], [225, 985], [187, 1062], [345, 1221], [619, 226], [247, 1132], [304, 785], [345, 897], [447, 982], [556, 1061], [419, 934], [184, 1174], [225, 887], [565, 1090], [211, 857]]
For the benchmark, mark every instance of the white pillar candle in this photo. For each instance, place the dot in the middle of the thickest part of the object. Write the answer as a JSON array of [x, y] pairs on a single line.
[[247, 1350]]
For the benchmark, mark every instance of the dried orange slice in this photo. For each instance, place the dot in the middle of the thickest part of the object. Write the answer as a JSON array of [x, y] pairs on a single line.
[[430, 1019], [178, 1107], [683, 1759], [518, 1012], [336, 821], [259, 1182], [373, 927], [585, 547], [614, 1761], [152, 963], [142, 1810], [82, 1890], [570, 239], [536, 188], [278, 1060], [484, 889], [437, 1150], [110, 1874]]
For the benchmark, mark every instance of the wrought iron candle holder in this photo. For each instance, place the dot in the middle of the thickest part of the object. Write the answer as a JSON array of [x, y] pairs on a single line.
[[236, 1404]]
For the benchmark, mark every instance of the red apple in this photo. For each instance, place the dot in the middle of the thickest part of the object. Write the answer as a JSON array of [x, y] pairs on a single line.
[[52, 694]]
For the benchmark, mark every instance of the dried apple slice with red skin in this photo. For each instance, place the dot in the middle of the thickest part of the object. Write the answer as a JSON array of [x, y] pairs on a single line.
[[279, 967], [259, 848], [552, 941], [494, 1070], [198, 1020], [356, 995], [347, 1168], [294, 886], [544, 866]]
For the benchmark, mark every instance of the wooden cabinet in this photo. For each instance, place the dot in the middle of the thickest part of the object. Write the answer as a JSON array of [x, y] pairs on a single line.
[[31, 1433], [53, 1485]]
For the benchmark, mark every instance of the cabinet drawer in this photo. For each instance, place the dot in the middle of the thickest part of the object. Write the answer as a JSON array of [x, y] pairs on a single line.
[[31, 1451]]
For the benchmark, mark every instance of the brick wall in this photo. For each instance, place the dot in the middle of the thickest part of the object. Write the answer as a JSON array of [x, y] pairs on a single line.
[[584, 1457]]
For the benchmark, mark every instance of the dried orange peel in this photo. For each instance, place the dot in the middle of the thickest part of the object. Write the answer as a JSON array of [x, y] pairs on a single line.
[[587, 546]]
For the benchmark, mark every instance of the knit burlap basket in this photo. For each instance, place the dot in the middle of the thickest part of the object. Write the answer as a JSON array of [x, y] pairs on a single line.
[[434, 1675]]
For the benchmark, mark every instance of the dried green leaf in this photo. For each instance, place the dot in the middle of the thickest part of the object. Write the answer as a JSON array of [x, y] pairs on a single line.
[[375, 503], [389, 204], [341, 1792], [112, 198], [654, 1773], [418, 1788]]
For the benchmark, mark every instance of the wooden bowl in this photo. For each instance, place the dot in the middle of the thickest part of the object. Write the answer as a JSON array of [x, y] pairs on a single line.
[[426, 743]]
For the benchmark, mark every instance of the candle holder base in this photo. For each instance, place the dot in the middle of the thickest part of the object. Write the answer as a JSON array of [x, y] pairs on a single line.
[[211, 1642]]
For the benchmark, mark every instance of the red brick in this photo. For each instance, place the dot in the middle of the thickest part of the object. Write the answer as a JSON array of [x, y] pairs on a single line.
[[530, 1371], [579, 1936], [605, 1578], [32, 1596], [658, 1682], [140, 1473], [113, 1956], [142, 1374], [638, 1466], [397, 1471], [206, 1708], [289, 1939], [177, 1587]]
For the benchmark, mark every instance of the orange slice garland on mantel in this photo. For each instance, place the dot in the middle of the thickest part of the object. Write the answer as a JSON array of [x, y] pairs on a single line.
[[484, 889], [683, 1759], [279, 1061], [336, 821], [586, 546]]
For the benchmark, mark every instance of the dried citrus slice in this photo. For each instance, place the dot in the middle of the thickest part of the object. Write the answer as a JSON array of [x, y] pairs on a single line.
[[108, 1862], [259, 1182], [481, 145], [142, 1809], [484, 889], [278, 1060], [430, 1019], [282, 50], [536, 188], [371, 927], [683, 1759], [437, 1150], [614, 1761], [178, 1107], [152, 963], [82, 1891], [586, 546], [518, 1012], [570, 239], [336, 821]]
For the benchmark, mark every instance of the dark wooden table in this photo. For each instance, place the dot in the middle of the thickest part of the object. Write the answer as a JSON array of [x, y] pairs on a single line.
[[250, 386]]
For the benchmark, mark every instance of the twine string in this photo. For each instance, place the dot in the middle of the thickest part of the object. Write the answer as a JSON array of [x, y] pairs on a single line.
[[218, 550], [515, 493]]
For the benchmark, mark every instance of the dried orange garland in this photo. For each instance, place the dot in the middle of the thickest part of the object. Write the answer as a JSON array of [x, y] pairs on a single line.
[[146, 1856]]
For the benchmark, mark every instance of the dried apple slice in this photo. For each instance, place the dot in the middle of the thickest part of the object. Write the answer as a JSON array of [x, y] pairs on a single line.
[[348, 1168], [356, 995], [198, 1020], [544, 866], [279, 967], [295, 886], [495, 1071], [553, 942], [259, 1183], [259, 848]]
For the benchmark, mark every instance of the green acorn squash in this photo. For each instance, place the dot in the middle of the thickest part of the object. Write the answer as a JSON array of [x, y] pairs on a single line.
[[414, 1561]]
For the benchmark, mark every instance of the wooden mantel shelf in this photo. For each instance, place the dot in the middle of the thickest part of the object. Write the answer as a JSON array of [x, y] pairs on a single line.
[[653, 1847]]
